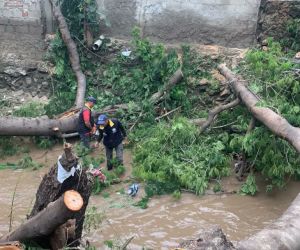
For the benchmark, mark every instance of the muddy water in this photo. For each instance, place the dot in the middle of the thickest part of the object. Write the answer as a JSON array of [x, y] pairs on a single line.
[[161, 226]]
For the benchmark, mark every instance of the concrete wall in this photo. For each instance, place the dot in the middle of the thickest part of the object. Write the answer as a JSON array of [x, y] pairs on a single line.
[[21, 16], [224, 22]]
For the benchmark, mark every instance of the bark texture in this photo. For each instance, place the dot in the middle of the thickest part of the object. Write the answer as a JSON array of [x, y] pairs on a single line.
[[50, 190], [66, 122], [73, 54], [43, 224], [276, 123], [215, 111]]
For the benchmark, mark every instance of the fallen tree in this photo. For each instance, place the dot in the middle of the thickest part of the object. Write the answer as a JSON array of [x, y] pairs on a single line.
[[45, 222], [67, 122], [277, 124], [73, 55], [58, 214]]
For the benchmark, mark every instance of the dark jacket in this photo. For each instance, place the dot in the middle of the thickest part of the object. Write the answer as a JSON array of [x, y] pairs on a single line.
[[113, 133], [82, 128]]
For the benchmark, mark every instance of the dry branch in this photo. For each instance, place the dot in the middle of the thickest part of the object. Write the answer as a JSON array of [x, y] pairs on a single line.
[[175, 79], [73, 54], [277, 124], [215, 111]]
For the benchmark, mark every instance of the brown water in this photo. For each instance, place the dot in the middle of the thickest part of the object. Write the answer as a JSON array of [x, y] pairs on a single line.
[[161, 226]]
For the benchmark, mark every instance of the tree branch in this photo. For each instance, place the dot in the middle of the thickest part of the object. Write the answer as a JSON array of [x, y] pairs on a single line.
[[73, 54], [176, 78], [215, 111], [276, 123]]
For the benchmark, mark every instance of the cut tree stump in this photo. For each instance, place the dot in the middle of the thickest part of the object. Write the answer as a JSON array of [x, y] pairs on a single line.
[[59, 208], [50, 189], [45, 222]]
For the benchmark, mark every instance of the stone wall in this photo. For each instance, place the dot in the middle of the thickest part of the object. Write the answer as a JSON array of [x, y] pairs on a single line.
[[224, 22], [22, 76], [274, 16]]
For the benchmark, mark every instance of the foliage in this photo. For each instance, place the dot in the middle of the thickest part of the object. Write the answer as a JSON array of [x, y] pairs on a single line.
[[93, 219], [31, 109], [271, 77], [292, 41], [176, 153], [43, 142], [176, 194], [27, 162], [64, 82], [80, 12], [249, 187], [111, 177], [142, 203], [8, 146]]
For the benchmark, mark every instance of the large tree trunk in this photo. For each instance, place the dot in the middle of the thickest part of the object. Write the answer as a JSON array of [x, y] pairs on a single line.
[[55, 204], [41, 126], [277, 124], [50, 189], [284, 233], [73, 54], [45, 222], [67, 122]]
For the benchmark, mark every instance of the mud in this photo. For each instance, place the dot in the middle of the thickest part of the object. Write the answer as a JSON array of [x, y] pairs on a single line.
[[161, 226]]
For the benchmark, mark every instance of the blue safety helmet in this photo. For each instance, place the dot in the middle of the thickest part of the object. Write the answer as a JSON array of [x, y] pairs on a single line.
[[101, 119]]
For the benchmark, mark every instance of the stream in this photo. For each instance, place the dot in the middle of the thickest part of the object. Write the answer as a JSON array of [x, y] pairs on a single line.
[[166, 221]]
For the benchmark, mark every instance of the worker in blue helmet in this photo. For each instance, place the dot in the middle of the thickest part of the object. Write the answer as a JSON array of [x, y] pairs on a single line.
[[113, 134], [86, 124]]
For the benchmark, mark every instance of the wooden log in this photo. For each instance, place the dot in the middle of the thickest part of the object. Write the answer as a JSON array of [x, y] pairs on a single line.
[[276, 123], [50, 189], [45, 222], [73, 55]]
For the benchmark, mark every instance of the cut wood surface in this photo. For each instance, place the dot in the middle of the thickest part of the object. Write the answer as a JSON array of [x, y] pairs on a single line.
[[276, 123], [46, 221], [73, 200]]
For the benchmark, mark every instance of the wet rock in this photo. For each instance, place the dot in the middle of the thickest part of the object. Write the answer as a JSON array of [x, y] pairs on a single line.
[[212, 238], [45, 84], [14, 72]]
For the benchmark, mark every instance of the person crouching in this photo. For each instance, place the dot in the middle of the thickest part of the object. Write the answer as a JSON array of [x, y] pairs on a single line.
[[113, 134]]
